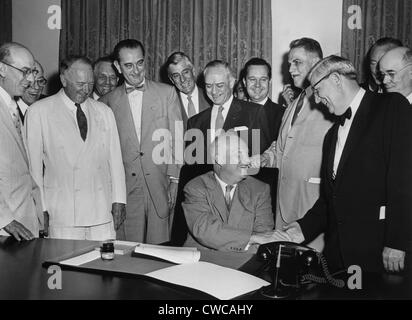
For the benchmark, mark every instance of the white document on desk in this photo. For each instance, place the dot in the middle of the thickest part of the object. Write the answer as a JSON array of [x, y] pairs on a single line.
[[82, 259], [172, 254], [220, 282]]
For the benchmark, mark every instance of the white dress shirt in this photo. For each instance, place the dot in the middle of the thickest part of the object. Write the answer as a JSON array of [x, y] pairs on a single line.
[[223, 186], [409, 98], [343, 131], [73, 109], [136, 102], [95, 96], [195, 99], [22, 106], [215, 110]]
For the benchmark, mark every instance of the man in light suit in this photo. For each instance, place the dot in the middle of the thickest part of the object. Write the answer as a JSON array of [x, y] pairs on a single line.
[[75, 158], [396, 71], [366, 200], [225, 209], [182, 74], [18, 191], [298, 149], [143, 108]]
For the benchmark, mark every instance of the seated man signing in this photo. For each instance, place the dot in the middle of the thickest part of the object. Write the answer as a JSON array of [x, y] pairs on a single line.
[[225, 209]]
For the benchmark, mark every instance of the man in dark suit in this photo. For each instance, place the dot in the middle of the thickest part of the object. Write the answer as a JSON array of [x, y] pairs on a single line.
[[227, 113], [225, 209], [258, 75], [257, 80], [366, 198], [143, 108], [182, 74]]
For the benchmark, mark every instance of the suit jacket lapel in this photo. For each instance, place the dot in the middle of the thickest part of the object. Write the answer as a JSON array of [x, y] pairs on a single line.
[[359, 124], [217, 197], [182, 110], [203, 102], [331, 155], [8, 121], [126, 116], [149, 111], [232, 116]]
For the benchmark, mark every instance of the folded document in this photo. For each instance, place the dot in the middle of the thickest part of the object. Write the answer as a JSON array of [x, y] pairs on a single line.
[[177, 255]]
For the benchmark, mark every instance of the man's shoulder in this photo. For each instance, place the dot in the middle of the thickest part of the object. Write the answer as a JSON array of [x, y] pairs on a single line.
[[112, 95], [200, 183], [159, 86], [246, 105], [45, 103], [254, 184]]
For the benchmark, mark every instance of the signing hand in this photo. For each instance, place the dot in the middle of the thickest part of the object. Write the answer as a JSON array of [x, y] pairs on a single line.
[[393, 260], [172, 194], [295, 232], [18, 231], [119, 214]]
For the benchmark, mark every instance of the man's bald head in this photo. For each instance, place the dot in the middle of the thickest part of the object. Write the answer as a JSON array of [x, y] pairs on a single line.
[[396, 70]]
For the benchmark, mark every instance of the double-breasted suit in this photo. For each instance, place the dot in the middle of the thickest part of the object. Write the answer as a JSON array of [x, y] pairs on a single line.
[[79, 180]]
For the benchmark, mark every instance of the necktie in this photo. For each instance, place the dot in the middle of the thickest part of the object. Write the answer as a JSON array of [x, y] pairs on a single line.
[[298, 106], [228, 198], [347, 115], [16, 118], [133, 88], [21, 115], [191, 111], [81, 121], [219, 119]]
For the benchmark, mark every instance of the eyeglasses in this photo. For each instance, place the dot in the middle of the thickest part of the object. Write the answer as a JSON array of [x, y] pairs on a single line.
[[26, 72], [315, 91], [392, 74], [41, 82]]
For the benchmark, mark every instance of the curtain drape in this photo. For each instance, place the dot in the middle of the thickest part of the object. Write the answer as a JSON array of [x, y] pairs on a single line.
[[231, 30], [379, 18], [5, 21]]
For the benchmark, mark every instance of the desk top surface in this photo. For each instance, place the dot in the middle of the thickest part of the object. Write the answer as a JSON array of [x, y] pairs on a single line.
[[22, 276]]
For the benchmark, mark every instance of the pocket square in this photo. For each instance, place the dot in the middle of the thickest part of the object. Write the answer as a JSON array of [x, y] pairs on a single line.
[[382, 212], [314, 180], [240, 128]]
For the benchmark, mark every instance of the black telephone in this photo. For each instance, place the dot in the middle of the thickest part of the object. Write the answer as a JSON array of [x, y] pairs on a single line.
[[290, 266]]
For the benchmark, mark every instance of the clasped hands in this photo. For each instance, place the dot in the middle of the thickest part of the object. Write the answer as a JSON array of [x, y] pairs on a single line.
[[291, 232]]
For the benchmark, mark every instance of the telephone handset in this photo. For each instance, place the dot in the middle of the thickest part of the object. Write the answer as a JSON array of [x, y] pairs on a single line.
[[292, 265]]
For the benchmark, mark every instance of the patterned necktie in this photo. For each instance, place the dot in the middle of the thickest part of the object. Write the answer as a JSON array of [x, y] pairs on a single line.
[[191, 111], [81, 121], [228, 198], [298, 106], [16, 118], [219, 119]]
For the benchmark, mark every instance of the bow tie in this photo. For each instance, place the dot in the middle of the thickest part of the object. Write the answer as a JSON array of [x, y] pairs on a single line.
[[133, 88], [347, 115]]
